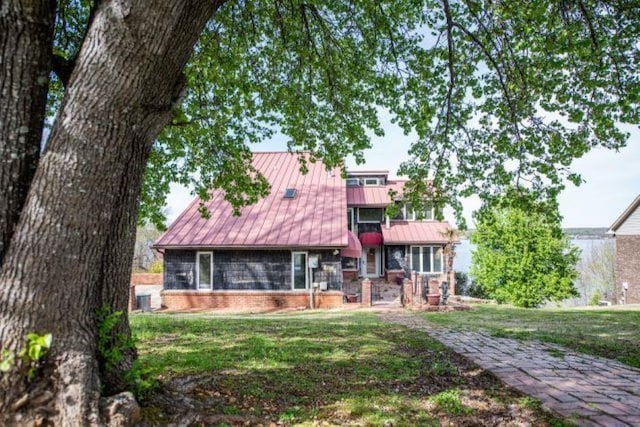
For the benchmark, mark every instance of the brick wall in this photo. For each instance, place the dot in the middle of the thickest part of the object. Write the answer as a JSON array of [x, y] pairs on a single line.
[[393, 276], [348, 275], [146, 279], [246, 300], [628, 268]]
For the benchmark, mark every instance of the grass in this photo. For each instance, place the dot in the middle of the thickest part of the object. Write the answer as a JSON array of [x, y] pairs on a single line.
[[450, 402], [313, 367], [602, 332]]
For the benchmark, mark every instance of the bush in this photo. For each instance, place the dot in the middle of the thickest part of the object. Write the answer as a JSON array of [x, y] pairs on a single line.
[[462, 281], [465, 286], [595, 298], [523, 257], [156, 266], [474, 290]]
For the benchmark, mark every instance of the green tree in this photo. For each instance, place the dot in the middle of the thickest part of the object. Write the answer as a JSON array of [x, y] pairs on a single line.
[[523, 258], [143, 93]]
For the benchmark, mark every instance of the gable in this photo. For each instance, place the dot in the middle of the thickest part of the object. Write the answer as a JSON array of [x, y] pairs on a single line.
[[632, 224], [629, 222]]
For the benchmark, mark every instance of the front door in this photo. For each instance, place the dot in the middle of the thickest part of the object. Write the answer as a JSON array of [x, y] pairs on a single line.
[[370, 259]]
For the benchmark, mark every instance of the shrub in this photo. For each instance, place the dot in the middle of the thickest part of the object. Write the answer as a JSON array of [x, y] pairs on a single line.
[[474, 290], [156, 266], [462, 281], [523, 257], [595, 298]]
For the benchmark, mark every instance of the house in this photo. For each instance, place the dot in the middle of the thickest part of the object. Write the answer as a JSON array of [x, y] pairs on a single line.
[[626, 231], [295, 247], [390, 246]]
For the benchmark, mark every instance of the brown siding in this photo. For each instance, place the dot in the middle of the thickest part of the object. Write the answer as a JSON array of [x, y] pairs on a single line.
[[628, 268], [246, 300]]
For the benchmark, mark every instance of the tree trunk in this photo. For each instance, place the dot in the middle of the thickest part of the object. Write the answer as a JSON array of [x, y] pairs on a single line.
[[116, 271], [76, 226], [26, 34]]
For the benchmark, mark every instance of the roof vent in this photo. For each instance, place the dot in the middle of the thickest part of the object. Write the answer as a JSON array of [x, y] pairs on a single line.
[[290, 193]]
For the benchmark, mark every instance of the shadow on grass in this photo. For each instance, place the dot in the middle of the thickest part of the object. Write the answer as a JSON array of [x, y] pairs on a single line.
[[349, 369]]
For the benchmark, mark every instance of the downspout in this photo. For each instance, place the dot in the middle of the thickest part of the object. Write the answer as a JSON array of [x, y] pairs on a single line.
[[310, 278]]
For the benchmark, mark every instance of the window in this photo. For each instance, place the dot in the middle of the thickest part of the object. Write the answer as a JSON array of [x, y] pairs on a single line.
[[426, 259], [290, 193], [372, 181], [205, 270], [429, 213], [299, 270], [353, 182], [369, 215], [399, 216], [349, 263], [350, 219]]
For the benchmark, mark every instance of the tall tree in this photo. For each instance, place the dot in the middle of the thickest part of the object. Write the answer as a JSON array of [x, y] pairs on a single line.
[[25, 51], [484, 85], [71, 248]]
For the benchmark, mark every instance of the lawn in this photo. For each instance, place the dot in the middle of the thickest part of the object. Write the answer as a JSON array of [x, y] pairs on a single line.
[[315, 369], [606, 332]]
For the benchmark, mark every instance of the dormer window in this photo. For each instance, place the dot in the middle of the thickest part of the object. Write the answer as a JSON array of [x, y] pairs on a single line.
[[353, 182], [290, 193], [371, 181]]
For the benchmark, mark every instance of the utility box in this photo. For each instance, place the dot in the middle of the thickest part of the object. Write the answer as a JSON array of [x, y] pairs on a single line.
[[313, 261], [143, 302]]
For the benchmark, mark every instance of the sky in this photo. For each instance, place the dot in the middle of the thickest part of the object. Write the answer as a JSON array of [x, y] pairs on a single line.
[[612, 178]]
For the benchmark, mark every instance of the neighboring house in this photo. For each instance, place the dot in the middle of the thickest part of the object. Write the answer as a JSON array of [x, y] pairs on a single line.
[[626, 230], [293, 241]]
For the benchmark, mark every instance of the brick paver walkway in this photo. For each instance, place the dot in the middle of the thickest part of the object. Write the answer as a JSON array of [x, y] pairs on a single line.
[[593, 391]]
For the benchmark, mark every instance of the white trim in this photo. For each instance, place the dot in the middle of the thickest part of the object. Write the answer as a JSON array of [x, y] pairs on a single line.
[[352, 182], [306, 271], [363, 261], [351, 214], [198, 287], [368, 221], [377, 182], [431, 259]]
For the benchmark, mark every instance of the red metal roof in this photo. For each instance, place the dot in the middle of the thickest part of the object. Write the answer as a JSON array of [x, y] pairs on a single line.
[[415, 232], [375, 195], [315, 217]]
